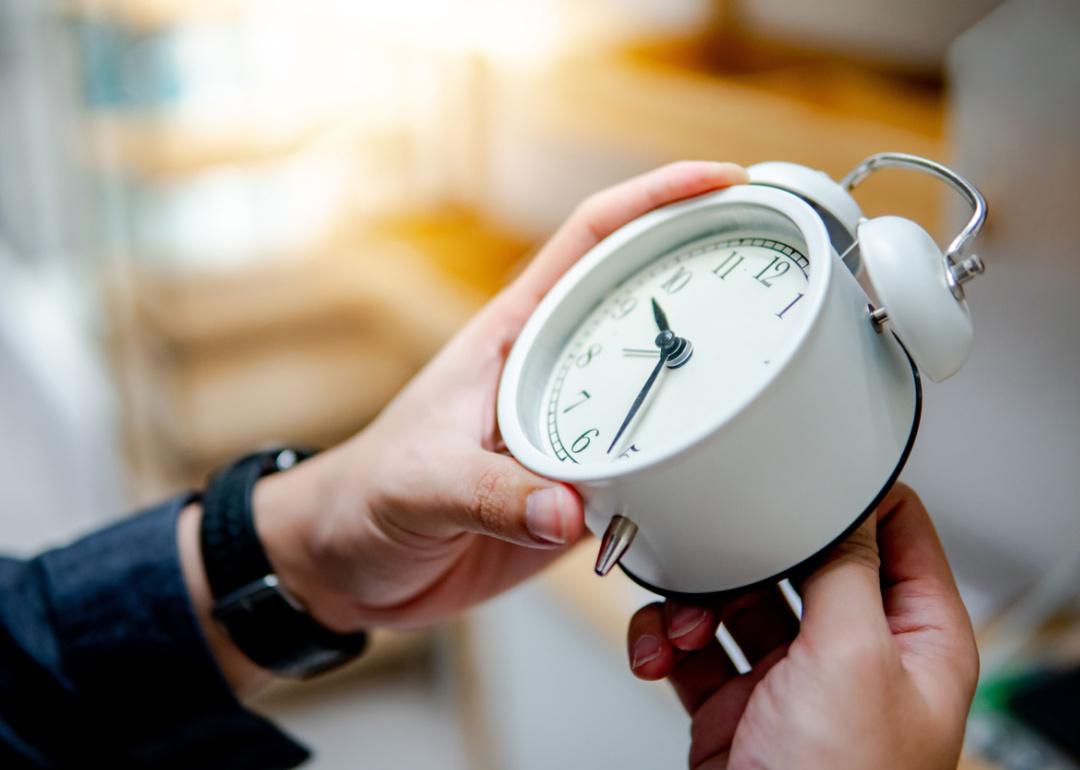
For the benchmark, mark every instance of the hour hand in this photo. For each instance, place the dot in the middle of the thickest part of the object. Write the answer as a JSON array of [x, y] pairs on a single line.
[[680, 350], [661, 318]]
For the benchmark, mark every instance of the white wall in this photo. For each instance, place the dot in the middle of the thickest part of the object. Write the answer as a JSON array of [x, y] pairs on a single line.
[[998, 457]]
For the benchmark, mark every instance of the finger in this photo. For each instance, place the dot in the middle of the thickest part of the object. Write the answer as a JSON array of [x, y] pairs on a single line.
[[699, 674], [605, 212], [651, 655], [689, 626], [716, 720], [909, 545], [844, 592], [762, 627], [922, 603], [491, 494]]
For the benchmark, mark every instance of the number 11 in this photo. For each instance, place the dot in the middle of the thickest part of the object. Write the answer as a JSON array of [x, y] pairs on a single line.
[[719, 270]]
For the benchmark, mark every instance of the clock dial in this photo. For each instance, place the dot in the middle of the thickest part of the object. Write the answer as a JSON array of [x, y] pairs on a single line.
[[737, 302]]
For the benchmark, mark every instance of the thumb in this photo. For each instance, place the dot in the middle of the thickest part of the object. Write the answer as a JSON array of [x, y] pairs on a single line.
[[844, 592], [498, 497]]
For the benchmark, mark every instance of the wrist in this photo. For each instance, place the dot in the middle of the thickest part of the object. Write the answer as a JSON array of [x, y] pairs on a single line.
[[242, 675], [294, 511]]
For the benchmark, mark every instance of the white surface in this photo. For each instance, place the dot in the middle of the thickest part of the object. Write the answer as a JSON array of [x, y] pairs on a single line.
[[557, 696], [908, 272], [400, 720], [997, 458]]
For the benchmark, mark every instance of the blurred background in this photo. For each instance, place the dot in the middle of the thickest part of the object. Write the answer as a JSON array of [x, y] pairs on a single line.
[[224, 222]]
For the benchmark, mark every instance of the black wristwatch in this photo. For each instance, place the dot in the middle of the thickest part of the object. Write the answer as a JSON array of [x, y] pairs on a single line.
[[265, 622]]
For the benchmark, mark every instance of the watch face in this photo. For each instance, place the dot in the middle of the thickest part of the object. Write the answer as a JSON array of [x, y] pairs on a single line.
[[733, 304]]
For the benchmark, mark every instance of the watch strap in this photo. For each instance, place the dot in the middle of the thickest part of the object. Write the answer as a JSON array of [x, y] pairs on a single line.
[[264, 621], [274, 632], [233, 555]]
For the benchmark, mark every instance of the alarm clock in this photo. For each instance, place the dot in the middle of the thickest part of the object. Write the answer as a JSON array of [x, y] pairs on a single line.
[[719, 388]]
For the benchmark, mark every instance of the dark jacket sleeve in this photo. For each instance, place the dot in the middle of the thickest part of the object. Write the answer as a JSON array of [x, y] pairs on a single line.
[[103, 663]]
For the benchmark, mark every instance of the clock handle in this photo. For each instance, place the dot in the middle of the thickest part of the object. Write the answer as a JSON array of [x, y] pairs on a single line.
[[617, 538], [957, 271]]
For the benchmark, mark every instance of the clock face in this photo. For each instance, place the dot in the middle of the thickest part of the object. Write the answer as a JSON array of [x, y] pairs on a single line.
[[738, 302]]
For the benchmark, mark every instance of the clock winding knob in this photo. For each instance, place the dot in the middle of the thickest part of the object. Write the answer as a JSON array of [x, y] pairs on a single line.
[[617, 538]]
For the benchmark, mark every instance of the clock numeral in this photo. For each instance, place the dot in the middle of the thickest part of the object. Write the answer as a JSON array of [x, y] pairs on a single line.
[[790, 305], [586, 358], [585, 397], [632, 449], [678, 280], [723, 270], [622, 307], [781, 269], [581, 443]]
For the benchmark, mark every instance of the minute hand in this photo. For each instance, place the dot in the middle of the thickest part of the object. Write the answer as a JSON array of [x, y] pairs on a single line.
[[665, 352]]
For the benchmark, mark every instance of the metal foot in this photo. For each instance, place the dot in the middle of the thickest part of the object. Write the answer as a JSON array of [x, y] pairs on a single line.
[[620, 533]]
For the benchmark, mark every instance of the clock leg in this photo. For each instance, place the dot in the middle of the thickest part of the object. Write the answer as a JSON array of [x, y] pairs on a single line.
[[620, 533]]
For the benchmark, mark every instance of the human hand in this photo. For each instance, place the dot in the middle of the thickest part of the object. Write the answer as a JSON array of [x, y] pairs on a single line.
[[879, 675], [421, 514]]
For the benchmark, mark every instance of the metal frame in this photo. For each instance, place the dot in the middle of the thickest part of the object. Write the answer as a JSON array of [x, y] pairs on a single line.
[[959, 270]]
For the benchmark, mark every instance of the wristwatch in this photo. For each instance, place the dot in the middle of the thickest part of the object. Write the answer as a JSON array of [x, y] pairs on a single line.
[[268, 624]]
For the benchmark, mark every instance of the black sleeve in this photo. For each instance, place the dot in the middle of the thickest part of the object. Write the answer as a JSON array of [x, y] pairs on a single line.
[[103, 663]]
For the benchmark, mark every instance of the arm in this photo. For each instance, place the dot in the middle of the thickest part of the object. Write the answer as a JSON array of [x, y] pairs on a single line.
[[103, 663]]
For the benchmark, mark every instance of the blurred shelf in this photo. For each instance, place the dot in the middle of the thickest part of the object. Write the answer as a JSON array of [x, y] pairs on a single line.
[[308, 349], [303, 352], [164, 146], [665, 100], [460, 243], [150, 15], [161, 146]]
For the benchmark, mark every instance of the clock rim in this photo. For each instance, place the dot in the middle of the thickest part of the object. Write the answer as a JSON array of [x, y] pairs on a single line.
[[809, 561], [801, 215]]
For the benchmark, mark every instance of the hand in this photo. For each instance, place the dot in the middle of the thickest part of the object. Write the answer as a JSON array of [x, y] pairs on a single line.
[[422, 513], [880, 674]]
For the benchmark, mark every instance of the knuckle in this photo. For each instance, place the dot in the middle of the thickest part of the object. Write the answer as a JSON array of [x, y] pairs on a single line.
[[969, 666], [902, 495], [860, 548], [587, 208], [485, 507]]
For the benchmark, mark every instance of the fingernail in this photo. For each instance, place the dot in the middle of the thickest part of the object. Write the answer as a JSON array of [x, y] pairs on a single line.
[[684, 620], [543, 515], [646, 649]]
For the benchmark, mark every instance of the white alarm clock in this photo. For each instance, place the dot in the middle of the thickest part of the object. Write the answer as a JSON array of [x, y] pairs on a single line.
[[719, 388]]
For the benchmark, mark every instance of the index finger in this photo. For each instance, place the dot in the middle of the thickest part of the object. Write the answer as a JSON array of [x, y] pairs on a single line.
[[606, 211]]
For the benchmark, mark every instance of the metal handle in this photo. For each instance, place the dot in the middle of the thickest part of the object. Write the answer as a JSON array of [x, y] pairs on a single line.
[[959, 271]]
